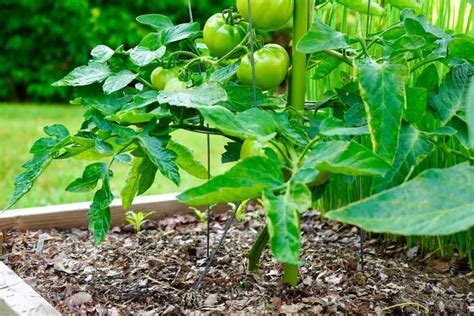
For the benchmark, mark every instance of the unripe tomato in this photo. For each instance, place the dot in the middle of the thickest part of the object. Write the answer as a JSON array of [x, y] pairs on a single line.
[[161, 76], [271, 67], [251, 148], [267, 15], [221, 37], [175, 85], [362, 6]]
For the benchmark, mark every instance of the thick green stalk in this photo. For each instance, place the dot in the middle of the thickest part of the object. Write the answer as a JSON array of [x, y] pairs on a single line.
[[297, 92], [258, 247]]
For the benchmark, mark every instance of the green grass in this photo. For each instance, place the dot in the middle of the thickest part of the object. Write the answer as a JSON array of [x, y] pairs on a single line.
[[21, 125]]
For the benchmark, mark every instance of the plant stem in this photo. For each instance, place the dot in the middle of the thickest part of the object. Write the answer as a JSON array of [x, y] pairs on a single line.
[[290, 275], [297, 92]]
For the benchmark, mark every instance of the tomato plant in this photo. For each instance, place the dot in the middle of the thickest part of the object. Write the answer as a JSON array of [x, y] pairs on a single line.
[[267, 15], [223, 32], [409, 92], [271, 67]]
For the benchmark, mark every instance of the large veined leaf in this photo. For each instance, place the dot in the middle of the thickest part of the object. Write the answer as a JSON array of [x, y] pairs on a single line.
[[323, 64], [438, 202], [413, 149], [207, 94], [252, 123], [383, 92], [246, 180], [282, 213], [451, 95], [185, 160], [99, 213], [417, 101], [163, 158], [143, 56], [320, 38], [44, 150], [118, 81], [85, 75], [349, 158], [470, 114], [157, 21], [332, 126], [102, 53]]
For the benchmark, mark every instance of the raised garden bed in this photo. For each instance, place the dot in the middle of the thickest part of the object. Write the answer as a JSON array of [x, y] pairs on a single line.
[[155, 272]]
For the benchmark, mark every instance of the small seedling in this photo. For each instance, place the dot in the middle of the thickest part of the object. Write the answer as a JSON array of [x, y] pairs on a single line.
[[137, 219]]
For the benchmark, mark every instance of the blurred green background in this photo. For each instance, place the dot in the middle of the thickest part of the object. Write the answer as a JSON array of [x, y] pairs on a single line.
[[40, 42]]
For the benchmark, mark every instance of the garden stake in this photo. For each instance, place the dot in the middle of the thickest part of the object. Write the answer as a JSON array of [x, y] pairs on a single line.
[[198, 284]]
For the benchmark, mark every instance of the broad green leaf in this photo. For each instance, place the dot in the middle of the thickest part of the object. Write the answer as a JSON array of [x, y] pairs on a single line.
[[83, 148], [132, 183], [107, 104], [156, 21], [408, 43], [462, 130], [323, 64], [383, 92], [291, 128], [102, 53], [118, 81], [332, 126], [179, 32], [90, 177], [207, 94], [417, 102], [240, 98], [142, 99], [148, 173], [320, 38], [246, 180], [44, 150], [85, 75], [163, 158], [429, 78], [253, 123], [470, 113], [282, 213], [143, 56], [185, 160], [450, 98], [99, 213], [438, 202], [225, 73], [462, 48], [412, 150], [349, 158]]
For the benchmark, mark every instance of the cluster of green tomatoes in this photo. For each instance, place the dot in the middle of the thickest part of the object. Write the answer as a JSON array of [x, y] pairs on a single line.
[[227, 31]]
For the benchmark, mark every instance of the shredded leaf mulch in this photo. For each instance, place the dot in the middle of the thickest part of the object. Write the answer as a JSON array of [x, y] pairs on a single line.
[[154, 272]]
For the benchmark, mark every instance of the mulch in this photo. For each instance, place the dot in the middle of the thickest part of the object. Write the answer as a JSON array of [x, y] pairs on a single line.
[[154, 272]]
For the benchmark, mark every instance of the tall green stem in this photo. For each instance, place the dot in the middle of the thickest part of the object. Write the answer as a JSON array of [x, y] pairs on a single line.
[[297, 93]]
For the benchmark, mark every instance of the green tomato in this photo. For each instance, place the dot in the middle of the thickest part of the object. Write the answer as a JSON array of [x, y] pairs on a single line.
[[362, 6], [271, 67], [221, 37], [161, 76], [251, 148], [175, 85], [267, 15]]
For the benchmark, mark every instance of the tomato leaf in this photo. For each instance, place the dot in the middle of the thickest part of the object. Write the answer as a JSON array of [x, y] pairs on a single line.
[[450, 98], [246, 180], [185, 160], [282, 213], [320, 38], [207, 94], [102, 53], [470, 113], [156, 21], [423, 206], [383, 92], [413, 149], [99, 213], [90, 177], [332, 126], [85, 75], [118, 81], [143, 56]]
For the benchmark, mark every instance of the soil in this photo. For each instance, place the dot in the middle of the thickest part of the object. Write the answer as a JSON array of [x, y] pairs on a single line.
[[154, 272]]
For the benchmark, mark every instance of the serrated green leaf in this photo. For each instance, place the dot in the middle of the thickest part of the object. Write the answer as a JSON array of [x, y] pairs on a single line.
[[225, 73], [99, 213], [90, 177], [320, 38], [348, 158], [156, 21], [207, 94], [323, 64], [102, 53], [332, 126], [143, 56], [438, 202], [85, 75], [282, 213], [118, 81], [450, 98], [163, 158], [246, 180], [413, 149], [185, 160], [383, 92]]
